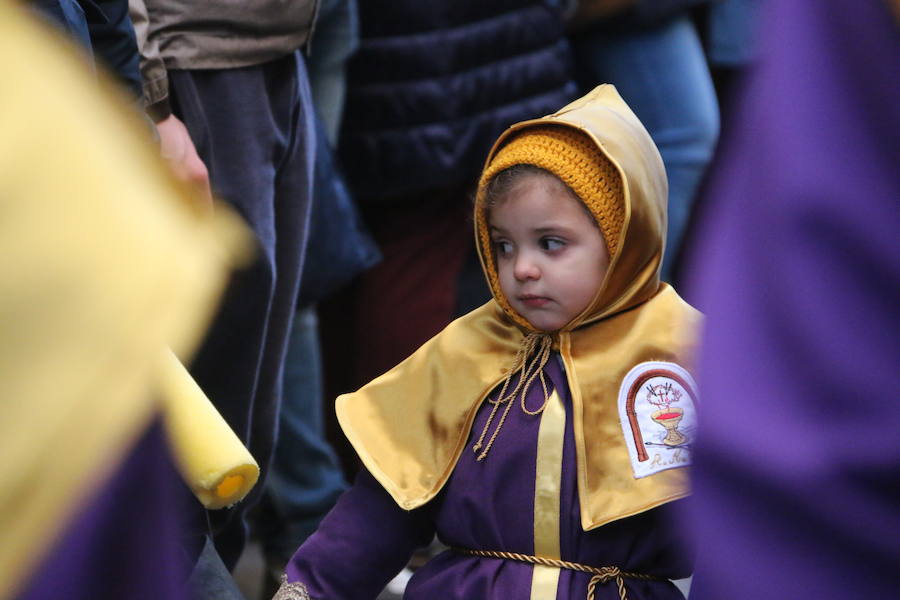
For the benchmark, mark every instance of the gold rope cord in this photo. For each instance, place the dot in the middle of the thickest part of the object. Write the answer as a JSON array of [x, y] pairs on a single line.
[[537, 345], [601, 575]]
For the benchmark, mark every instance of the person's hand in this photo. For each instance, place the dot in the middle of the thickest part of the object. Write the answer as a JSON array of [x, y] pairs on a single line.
[[178, 149]]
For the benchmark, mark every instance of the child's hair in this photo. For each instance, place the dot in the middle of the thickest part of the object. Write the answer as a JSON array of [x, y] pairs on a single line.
[[502, 184]]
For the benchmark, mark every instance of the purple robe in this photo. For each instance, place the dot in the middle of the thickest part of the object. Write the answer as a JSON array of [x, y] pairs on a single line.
[[797, 267], [123, 544], [487, 505]]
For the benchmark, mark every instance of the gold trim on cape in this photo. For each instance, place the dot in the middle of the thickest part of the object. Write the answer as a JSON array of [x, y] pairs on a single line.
[[544, 582], [547, 488]]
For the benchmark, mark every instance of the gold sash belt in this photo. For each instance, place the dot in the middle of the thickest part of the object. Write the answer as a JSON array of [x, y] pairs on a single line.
[[601, 575]]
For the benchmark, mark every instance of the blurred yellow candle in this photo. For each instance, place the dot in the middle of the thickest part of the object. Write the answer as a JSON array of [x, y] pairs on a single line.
[[212, 460]]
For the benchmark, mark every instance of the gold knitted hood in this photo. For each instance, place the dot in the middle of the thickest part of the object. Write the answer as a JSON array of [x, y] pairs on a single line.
[[410, 425]]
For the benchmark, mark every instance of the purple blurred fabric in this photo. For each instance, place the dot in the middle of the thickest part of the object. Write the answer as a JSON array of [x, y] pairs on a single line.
[[123, 544], [486, 505], [797, 267]]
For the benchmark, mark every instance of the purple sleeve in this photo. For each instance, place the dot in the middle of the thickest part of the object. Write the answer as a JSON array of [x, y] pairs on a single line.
[[361, 544]]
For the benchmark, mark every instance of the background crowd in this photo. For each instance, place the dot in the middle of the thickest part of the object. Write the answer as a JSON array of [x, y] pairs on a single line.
[[348, 137]]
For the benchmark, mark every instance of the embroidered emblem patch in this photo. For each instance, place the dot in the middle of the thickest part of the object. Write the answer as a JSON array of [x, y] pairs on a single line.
[[657, 409]]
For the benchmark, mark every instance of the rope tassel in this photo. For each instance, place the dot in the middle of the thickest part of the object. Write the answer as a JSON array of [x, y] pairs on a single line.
[[538, 347]]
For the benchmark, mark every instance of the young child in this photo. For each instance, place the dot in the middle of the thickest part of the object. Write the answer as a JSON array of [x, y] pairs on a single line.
[[543, 436]]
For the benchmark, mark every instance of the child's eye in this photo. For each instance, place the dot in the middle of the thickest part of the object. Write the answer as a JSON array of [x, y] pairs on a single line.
[[502, 248], [551, 244]]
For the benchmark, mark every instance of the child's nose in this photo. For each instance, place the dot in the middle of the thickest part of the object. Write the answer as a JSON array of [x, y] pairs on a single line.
[[525, 267]]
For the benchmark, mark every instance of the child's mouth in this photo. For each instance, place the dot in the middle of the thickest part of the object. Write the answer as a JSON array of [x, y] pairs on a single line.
[[534, 301]]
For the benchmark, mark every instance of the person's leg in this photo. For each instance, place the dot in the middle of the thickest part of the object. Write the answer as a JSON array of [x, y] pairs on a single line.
[[662, 74], [227, 364], [293, 198], [252, 127], [306, 478], [210, 579]]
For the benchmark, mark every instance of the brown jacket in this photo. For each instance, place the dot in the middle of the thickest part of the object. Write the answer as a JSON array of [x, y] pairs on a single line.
[[218, 34]]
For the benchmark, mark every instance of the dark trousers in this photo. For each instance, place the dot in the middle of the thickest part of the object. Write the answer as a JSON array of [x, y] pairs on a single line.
[[254, 129]]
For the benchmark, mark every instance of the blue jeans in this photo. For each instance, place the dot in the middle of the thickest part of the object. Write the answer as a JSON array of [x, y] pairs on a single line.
[[306, 479], [335, 40], [732, 32], [661, 73]]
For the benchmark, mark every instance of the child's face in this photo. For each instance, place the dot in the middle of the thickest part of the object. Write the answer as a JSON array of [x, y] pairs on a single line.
[[551, 257]]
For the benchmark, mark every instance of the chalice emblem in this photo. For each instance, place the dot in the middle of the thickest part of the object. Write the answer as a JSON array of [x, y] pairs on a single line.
[[662, 396]]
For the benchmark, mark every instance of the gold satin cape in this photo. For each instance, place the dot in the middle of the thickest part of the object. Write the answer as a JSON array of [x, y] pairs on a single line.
[[410, 425]]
